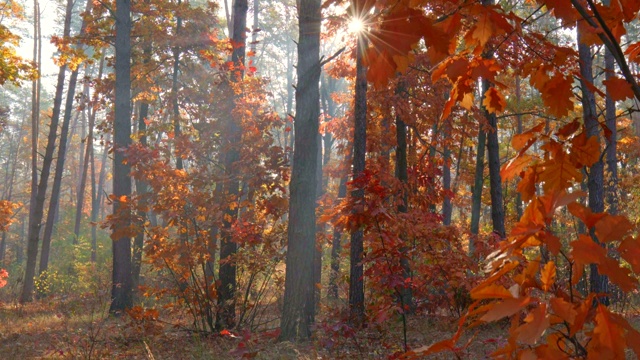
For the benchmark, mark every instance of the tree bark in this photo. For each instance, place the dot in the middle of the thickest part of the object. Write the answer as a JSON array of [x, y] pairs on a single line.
[[227, 272], [298, 311], [595, 183], [612, 141], [476, 191], [356, 269], [121, 294]]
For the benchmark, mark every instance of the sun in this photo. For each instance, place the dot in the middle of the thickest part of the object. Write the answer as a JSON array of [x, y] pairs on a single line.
[[356, 26]]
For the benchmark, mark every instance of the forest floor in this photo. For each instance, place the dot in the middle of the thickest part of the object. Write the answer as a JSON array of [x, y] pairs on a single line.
[[79, 329]]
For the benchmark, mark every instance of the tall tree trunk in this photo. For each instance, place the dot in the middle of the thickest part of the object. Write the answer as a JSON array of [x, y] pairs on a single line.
[[493, 153], [356, 269], [402, 174], [612, 141], [447, 207], [35, 113], [519, 209], [88, 156], [298, 311], [37, 212], [121, 294], [57, 177], [228, 247], [595, 183], [476, 191], [142, 188]]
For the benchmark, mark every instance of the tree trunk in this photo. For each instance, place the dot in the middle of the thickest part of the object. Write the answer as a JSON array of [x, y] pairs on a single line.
[[493, 153], [57, 177], [37, 210], [476, 191], [121, 294], [595, 183], [447, 207], [227, 272], [612, 141], [298, 311], [356, 273], [406, 293], [519, 209]]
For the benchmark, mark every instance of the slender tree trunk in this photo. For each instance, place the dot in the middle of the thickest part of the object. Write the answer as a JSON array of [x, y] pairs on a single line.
[[35, 114], [142, 188], [356, 272], [447, 207], [612, 141], [121, 294], [228, 247], [402, 174], [87, 158], [37, 213], [298, 311], [476, 191], [519, 209], [598, 283], [57, 177], [493, 152]]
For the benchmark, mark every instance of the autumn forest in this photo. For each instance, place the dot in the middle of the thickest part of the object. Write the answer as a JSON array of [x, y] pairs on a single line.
[[443, 179]]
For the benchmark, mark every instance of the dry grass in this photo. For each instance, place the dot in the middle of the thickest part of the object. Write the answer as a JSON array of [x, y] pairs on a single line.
[[80, 329]]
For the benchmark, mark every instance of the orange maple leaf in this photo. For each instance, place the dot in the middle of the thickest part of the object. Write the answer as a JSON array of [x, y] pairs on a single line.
[[618, 89], [493, 101], [557, 94]]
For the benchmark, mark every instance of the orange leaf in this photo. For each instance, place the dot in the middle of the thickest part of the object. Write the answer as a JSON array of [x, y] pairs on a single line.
[[620, 276], [483, 29], [515, 166], [491, 291], [537, 323], [584, 213], [618, 89], [548, 275], [507, 307], [612, 228], [557, 94], [607, 335], [569, 129], [563, 310], [527, 185], [493, 101], [586, 251], [559, 173], [585, 152], [629, 249]]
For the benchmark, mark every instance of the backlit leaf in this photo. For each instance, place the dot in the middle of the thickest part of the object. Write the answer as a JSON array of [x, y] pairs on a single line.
[[618, 89], [548, 275], [493, 101]]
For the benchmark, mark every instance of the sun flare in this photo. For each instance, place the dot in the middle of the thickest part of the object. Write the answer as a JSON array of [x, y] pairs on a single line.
[[356, 25]]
